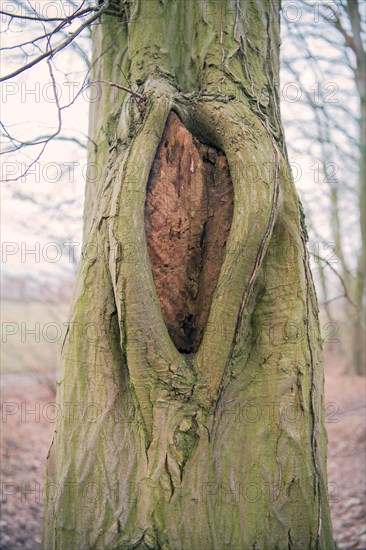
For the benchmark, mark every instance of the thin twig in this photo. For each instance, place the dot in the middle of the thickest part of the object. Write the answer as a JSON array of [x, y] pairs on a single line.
[[346, 295], [120, 87]]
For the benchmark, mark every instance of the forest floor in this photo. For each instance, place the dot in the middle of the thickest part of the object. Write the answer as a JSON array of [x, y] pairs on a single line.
[[26, 436]]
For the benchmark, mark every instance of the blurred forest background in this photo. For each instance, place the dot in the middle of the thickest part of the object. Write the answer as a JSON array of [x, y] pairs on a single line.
[[44, 126]]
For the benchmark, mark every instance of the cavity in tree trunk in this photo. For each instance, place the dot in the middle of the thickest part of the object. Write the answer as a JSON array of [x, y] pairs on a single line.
[[191, 383]]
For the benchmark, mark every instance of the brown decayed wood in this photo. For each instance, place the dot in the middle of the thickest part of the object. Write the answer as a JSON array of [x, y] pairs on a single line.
[[188, 214]]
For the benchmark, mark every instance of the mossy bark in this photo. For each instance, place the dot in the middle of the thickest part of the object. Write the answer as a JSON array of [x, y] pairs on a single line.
[[226, 447]]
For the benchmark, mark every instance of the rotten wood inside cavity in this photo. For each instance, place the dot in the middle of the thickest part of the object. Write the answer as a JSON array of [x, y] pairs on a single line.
[[188, 215]]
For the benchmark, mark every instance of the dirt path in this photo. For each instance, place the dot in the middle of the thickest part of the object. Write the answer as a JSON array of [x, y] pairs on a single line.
[[26, 435]]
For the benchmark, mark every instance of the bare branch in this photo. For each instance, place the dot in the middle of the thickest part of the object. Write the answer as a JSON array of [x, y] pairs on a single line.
[[53, 51], [345, 295], [40, 19]]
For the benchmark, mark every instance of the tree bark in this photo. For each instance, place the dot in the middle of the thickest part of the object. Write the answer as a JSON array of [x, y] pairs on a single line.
[[224, 446], [358, 340]]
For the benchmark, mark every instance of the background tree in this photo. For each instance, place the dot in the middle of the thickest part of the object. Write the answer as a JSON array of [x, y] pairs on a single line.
[[42, 149], [325, 49]]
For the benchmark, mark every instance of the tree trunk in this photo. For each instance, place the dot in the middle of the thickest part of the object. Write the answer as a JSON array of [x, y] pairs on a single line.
[[211, 436], [358, 340]]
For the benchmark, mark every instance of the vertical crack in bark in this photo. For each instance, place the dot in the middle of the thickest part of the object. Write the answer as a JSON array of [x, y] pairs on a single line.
[[312, 382], [172, 487], [188, 214]]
